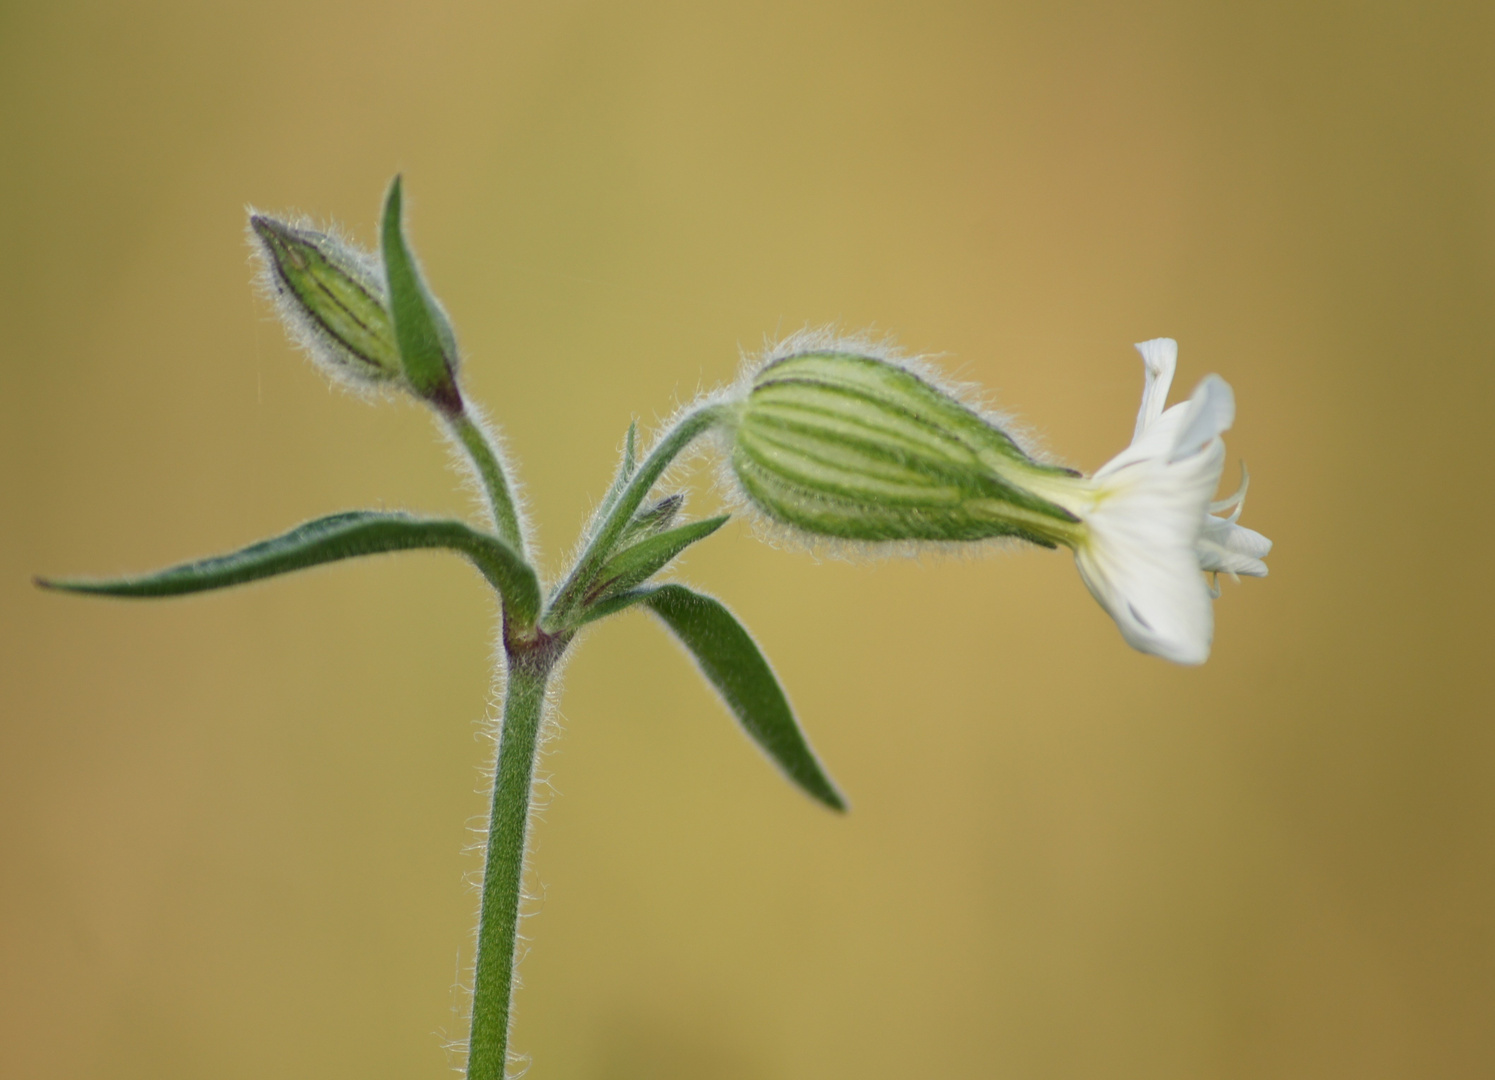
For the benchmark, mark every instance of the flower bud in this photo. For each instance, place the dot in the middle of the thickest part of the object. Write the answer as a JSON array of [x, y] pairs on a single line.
[[332, 300], [654, 519], [853, 447]]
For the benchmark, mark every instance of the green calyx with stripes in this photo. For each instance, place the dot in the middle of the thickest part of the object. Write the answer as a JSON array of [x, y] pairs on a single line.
[[852, 447], [332, 298]]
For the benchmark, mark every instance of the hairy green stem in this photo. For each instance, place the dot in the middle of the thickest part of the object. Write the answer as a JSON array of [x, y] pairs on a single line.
[[531, 655], [491, 471], [503, 872]]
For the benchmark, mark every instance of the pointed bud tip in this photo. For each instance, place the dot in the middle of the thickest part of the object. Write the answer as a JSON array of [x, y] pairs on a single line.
[[271, 230], [394, 194]]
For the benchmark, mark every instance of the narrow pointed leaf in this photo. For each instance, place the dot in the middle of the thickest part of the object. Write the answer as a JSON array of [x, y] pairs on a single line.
[[331, 539], [427, 345], [626, 466], [602, 540], [611, 605], [731, 661], [637, 564]]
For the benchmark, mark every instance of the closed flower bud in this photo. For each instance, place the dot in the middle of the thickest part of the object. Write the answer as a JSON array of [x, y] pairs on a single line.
[[654, 519], [332, 300], [849, 446]]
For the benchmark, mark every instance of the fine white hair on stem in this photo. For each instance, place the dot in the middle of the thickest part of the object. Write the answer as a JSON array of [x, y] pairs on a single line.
[[542, 792], [471, 481]]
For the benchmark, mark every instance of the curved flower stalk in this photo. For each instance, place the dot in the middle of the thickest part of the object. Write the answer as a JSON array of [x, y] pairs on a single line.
[[851, 446]]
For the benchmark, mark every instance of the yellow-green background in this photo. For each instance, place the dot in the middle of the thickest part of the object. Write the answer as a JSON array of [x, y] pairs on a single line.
[[232, 827]]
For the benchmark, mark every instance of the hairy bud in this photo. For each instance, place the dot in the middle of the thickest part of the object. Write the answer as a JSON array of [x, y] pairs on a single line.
[[332, 299], [654, 519], [852, 447]]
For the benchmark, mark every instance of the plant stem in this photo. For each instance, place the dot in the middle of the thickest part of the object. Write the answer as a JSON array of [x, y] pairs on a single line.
[[491, 471], [503, 872]]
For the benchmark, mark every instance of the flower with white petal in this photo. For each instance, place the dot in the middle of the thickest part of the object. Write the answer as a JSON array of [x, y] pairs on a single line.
[[1150, 526], [834, 441]]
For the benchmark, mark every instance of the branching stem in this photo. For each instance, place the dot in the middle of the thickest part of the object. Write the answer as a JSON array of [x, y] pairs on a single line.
[[531, 654]]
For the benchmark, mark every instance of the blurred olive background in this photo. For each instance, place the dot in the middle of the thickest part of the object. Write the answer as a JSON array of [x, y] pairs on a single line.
[[232, 828]]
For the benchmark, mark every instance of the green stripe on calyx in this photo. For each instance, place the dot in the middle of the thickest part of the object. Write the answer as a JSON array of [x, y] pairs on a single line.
[[858, 417], [842, 468], [334, 297], [898, 389], [812, 510], [854, 447]]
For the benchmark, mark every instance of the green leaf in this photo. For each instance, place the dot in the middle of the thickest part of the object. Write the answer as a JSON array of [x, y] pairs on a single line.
[[330, 539], [611, 605], [427, 346], [731, 662], [609, 524], [626, 465], [637, 564]]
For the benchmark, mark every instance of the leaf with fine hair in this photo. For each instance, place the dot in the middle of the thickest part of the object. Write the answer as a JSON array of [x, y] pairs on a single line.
[[626, 465], [428, 349], [601, 609], [331, 539], [609, 526], [731, 661], [637, 564]]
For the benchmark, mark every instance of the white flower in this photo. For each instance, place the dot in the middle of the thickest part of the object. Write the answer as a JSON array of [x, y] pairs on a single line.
[[1149, 524]]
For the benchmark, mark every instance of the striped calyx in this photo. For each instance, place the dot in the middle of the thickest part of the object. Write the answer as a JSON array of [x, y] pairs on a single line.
[[332, 299], [852, 447]]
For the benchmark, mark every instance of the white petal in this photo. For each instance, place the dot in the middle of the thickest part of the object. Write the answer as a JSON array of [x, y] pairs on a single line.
[[1215, 559], [1181, 430], [1210, 412], [1234, 503], [1139, 558], [1229, 548], [1160, 357], [1236, 538]]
